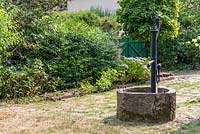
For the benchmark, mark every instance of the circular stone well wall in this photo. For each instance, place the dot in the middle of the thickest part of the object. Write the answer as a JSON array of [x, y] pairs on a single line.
[[139, 104]]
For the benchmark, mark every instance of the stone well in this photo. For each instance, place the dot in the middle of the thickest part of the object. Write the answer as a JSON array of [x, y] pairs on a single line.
[[139, 104]]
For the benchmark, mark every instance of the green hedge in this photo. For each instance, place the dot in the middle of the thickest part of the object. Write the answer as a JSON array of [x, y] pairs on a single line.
[[64, 50], [72, 50]]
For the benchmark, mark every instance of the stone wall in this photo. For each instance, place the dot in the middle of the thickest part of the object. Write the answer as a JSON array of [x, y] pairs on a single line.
[[138, 104]]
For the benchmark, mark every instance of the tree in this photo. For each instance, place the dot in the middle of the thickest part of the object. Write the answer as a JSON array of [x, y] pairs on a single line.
[[190, 14], [136, 17], [24, 15], [27, 11]]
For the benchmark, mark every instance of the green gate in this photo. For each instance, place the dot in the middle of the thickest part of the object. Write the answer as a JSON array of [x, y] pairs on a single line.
[[132, 48]]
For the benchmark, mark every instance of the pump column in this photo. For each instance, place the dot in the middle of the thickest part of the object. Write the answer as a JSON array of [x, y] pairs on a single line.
[[154, 34]]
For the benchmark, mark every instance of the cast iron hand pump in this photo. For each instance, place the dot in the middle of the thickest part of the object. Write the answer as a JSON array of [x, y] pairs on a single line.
[[153, 63]]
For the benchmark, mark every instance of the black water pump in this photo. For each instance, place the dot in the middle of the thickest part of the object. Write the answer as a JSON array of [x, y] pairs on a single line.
[[155, 68]]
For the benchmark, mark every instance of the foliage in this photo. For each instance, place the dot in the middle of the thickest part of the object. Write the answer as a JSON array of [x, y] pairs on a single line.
[[180, 52], [57, 51], [106, 23], [28, 80], [111, 27], [107, 79], [184, 50], [102, 12], [189, 14], [126, 71], [72, 50], [25, 13], [87, 17], [109, 24], [133, 70], [189, 52], [29, 11], [136, 17], [9, 36], [104, 83], [87, 87]]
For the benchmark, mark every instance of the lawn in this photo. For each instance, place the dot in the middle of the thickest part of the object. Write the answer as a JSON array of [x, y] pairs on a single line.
[[95, 114]]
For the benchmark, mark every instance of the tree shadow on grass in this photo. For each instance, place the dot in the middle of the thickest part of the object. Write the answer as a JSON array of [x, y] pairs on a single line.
[[114, 121]]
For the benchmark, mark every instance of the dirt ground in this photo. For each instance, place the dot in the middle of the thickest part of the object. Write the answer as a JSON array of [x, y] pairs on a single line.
[[95, 114]]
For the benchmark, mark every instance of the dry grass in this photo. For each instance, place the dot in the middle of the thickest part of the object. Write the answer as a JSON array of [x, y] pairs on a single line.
[[95, 114]]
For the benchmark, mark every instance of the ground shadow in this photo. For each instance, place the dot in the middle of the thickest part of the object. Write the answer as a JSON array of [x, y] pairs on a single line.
[[114, 121]]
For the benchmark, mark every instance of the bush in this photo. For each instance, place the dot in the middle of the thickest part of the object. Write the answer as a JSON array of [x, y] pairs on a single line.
[[72, 50], [104, 83], [9, 36], [109, 24], [87, 17], [181, 53], [127, 71], [106, 23], [134, 70], [107, 79], [28, 11], [24, 81]]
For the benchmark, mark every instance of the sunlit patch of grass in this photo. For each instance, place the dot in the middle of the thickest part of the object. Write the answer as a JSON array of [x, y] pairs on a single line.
[[184, 84], [186, 104], [191, 128]]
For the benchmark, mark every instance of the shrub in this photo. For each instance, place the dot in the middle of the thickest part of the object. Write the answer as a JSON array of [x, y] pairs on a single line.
[[28, 11], [182, 52], [72, 50], [107, 79], [87, 87], [109, 24], [111, 27], [87, 17], [133, 70], [23, 81], [106, 23], [9, 36], [126, 71]]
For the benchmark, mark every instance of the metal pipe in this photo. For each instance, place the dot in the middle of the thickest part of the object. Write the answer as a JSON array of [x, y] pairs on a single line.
[[154, 35]]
